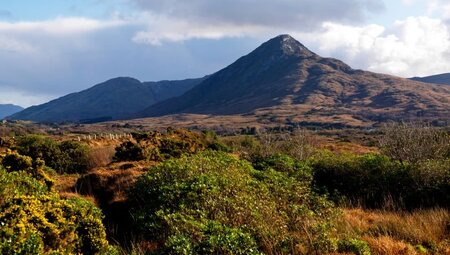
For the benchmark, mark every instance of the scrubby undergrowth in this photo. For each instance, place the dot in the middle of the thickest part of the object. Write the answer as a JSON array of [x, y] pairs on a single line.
[[183, 192]]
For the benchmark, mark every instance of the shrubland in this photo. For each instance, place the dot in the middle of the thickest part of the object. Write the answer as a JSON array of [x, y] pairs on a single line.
[[158, 146], [64, 157], [197, 193], [214, 203]]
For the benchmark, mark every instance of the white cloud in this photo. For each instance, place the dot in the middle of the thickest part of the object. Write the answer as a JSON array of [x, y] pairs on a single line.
[[441, 7], [40, 58], [59, 26], [161, 29], [13, 45], [31, 37], [180, 20], [408, 2], [415, 46], [67, 54], [411, 47]]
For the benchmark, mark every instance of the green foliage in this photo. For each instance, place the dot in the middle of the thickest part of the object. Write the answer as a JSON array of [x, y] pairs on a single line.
[[74, 157], [64, 157], [129, 151], [285, 164], [35, 220], [213, 203], [298, 144], [111, 250], [213, 142], [89, 226], [174, 143], [14, 184], [355, 246], [376, 181], [218, 239], [173, 148], [15, 162], [421, 249]]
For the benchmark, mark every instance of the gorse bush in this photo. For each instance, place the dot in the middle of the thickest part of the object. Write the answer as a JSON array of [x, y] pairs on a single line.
[[174, 143], [13, 161], [64, 157], [128, 151], [213, 203], [35, 220]]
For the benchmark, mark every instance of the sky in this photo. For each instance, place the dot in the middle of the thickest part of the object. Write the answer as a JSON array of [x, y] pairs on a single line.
[[49, 48]]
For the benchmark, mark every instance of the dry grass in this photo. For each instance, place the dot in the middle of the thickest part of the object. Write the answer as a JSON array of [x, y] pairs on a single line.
[[66, 183], [385, 245], [68, 195], [109, 184], [346, 147], [397, 232], [101, 156]]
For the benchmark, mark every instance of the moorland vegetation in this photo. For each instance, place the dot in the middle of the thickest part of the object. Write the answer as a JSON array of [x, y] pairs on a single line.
[[194, 192]]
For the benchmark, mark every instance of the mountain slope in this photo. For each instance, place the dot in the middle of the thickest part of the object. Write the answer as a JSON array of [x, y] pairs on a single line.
[[283, 79], [8, 109], [114, 99], [438, 79]]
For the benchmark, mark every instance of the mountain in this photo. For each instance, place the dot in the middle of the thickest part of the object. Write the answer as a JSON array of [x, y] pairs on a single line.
[[8, 109], [114, 99], [284, 81], [438, 79]]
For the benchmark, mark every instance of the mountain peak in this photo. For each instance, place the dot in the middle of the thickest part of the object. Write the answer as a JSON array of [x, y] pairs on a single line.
[[288, 46], [123, 79]]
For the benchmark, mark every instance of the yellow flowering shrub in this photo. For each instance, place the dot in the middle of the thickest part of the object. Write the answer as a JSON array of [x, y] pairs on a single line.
[[35, 220]]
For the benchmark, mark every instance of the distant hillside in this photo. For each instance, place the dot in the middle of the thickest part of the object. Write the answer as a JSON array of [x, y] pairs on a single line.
[[8, 109], [438, 79], [284, 81], [114, 99]]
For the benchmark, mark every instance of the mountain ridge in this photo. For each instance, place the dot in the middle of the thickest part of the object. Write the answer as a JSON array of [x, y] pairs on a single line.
[[113, 99], [284, 79], [281, 81], [436, 79], [8, 109]]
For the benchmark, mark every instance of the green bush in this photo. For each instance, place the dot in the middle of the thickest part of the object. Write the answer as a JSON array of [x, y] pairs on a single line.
[[74, 157], [89, 226], [172, 148], [213, 142], [64, 157], [285, 164], [212, 202], [174, 143], [129, 151], [375, 181], [355, 246], [19, 183]]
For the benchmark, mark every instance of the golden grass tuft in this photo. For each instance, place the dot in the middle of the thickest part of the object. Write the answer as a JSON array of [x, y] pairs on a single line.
[[390, 232], [101, 156], [385, 245]]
